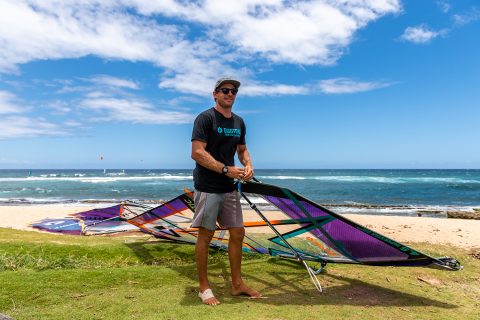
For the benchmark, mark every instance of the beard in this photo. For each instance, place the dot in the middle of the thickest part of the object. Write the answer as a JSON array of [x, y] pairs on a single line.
[[225, 104]]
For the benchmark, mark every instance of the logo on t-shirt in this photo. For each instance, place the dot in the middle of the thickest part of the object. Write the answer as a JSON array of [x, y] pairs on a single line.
[[230, 132]]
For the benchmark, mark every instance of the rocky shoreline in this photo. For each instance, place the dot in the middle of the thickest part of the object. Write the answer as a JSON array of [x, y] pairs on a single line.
[[464, 215]]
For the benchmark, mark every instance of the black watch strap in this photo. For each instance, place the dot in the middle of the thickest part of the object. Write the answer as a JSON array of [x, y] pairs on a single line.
[[225, 170]]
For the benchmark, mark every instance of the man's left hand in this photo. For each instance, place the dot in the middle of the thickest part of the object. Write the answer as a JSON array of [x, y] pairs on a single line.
[[248, 173]]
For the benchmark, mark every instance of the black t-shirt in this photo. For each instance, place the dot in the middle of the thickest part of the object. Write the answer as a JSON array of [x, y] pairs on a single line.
[[222, 135]]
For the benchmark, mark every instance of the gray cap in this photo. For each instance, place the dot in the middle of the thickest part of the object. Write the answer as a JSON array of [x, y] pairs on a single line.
[[221, 81]]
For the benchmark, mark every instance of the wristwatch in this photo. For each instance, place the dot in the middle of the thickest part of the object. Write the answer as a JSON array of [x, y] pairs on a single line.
[[225, 170]]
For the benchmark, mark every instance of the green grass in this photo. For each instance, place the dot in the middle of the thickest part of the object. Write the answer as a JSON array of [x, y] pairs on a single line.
[[44, 276]]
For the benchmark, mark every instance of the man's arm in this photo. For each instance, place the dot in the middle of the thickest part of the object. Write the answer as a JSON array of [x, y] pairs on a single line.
[[205, 159], [244, 157]]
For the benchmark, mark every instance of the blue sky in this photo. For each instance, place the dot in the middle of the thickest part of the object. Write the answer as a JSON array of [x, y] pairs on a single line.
[[325, 84]]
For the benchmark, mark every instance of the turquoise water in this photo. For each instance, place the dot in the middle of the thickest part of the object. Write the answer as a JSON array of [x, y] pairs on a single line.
[[353, 189]]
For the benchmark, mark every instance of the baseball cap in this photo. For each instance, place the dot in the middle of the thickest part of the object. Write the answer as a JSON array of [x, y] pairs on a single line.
[[221, 81]]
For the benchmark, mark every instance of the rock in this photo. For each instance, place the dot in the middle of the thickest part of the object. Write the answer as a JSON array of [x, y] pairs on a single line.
[[463, 215], [430, 211], [5, 317]]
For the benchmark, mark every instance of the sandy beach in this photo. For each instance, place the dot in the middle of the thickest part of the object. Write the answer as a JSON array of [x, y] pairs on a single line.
[[456, 232]]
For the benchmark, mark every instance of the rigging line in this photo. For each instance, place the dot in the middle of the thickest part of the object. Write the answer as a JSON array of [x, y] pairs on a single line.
[[138, 204], [254, 207], [98, 222], [279, 235], [161, 234], [101, 233], [80, 222], [256, 242], [311, 220], [312, 275], [166, 204], [165, 220], [295, 232], [126, 206], [220, 237]]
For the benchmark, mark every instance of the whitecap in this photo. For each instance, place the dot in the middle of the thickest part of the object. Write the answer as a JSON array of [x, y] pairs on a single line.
[[374, 179], [101, 179]]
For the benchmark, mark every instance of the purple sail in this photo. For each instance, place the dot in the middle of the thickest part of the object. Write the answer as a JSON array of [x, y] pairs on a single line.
[[99, 214], [339, 234], [65, 226]]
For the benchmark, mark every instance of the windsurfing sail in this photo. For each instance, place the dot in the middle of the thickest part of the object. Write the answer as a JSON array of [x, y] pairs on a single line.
[[90, 222], [324, 236], [64, 226], [169, 221]]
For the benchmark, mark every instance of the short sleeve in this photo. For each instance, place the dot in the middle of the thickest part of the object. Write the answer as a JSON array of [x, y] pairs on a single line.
[[243, 133], [202, 128]]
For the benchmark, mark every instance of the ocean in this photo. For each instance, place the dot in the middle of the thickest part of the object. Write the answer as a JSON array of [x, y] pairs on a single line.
[[390, 192]]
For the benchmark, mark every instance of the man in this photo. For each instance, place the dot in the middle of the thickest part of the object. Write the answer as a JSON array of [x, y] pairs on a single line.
[[217, 135]]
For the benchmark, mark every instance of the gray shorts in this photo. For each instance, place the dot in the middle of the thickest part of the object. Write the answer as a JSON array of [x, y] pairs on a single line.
[[222, 207]]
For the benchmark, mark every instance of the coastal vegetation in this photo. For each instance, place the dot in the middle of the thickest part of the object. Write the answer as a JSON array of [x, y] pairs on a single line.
[[48, 276]]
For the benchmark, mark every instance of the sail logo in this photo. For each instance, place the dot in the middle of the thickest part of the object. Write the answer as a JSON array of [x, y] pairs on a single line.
[[229, 132]]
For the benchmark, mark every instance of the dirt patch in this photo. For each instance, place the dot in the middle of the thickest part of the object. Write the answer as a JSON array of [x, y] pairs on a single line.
[[431, 281], [475, 254]]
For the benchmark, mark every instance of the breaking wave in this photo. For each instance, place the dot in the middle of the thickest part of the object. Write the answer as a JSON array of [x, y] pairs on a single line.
[[370, 179]]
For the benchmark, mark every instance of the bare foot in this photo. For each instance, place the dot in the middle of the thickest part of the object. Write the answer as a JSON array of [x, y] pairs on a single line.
[[212, 301], [208, 298], [244, 290]]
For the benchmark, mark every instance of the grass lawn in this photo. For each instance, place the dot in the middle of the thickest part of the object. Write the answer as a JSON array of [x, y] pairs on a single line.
[[47, 276]]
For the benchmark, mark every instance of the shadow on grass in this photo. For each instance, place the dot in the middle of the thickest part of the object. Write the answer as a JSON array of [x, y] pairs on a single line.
[[282, 287], [162, 252]]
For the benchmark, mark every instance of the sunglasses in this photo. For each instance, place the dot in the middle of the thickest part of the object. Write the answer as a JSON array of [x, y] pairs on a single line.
[[227, 90]]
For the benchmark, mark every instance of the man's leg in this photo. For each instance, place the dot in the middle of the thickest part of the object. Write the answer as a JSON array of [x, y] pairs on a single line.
[[201, 256], [235, 256]]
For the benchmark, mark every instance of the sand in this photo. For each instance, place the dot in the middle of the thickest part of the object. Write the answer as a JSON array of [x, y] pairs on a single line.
[[457, 232]]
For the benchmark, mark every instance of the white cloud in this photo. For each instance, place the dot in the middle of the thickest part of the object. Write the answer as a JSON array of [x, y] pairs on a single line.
[[106, 82], [13, 126], [466, 18], [318, 30], [8, 103], [444, 5], [421, 34], [110, 81], [59, 107], [73, 124], [227, 34], [132, 110], [327, 86], [345, 85], [36, 30], [269, 89], [23, 127]]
